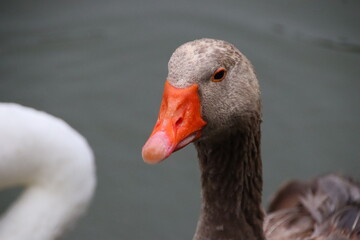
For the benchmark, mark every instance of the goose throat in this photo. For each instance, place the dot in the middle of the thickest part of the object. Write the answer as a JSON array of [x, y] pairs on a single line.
[[231, 177]]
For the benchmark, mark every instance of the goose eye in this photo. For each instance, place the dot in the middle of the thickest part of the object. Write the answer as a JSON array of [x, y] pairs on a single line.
[[219, 75]]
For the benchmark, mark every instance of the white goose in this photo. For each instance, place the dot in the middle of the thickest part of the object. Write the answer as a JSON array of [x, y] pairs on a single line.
[[55, 165]]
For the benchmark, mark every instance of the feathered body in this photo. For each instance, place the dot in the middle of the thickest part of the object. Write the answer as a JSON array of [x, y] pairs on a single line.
[[328, 207]]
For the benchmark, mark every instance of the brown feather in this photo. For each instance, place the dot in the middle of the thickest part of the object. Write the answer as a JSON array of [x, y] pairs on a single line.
[[326, 208]]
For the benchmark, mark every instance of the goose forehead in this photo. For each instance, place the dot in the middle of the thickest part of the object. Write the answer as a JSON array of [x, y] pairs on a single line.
[[196, 58]]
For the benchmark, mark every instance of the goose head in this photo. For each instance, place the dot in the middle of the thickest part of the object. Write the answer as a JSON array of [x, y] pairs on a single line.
[[210, 87]]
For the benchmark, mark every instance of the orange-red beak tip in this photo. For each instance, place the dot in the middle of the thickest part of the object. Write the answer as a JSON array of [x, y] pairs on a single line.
[[157, 148]]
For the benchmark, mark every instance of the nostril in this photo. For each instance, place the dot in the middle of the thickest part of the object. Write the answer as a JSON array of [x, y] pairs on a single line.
[[178, 122]]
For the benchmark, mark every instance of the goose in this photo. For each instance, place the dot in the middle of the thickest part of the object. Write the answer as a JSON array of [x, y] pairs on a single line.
[[211, 98], [53, 163]]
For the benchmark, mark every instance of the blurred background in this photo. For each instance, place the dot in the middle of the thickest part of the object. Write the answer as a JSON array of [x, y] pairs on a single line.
[[101, 66]]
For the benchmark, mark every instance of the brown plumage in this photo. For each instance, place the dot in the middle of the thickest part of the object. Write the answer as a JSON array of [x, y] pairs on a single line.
[[326, 208], [228, 146]]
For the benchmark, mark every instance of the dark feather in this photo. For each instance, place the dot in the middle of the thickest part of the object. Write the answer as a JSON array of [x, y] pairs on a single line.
[[326, 208]]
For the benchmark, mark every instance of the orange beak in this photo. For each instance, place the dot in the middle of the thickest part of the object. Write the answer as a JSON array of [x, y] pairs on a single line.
[[179, 123]]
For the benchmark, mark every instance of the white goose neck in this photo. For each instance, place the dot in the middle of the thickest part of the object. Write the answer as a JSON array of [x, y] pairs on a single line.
[[53, 162]]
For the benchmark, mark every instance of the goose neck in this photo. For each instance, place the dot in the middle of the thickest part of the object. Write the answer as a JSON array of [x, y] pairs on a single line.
[[231, 177]]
